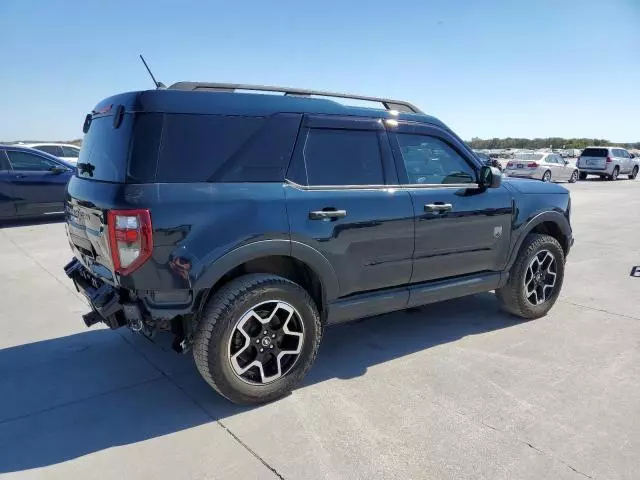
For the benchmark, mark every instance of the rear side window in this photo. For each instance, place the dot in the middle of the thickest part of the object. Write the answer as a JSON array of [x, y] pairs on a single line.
[[343, 157], [70, 152], [50, 149], [4, 163], [595, 152], [28, 162], [195, 147], [218, 148]]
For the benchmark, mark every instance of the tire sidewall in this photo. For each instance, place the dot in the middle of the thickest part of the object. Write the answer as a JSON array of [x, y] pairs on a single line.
[[535, 311], [547, 176], [226, 381]]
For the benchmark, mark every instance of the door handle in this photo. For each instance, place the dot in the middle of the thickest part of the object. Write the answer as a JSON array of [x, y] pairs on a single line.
[[327, 213], [21, 176], [438, 207]]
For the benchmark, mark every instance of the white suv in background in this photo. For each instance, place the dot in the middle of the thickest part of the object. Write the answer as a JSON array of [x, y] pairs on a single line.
[[66, 152], [607, 162]]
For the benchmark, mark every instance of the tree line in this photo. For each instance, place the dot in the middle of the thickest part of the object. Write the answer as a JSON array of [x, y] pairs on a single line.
[[536, 143]]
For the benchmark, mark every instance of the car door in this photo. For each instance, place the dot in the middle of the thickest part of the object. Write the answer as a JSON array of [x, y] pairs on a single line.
[[460, 228], [339, 203], [626, 161], [39, 182], [559, 168], [7, 200]]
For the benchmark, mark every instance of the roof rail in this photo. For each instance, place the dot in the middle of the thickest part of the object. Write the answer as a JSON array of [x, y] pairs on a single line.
[[388, 104]]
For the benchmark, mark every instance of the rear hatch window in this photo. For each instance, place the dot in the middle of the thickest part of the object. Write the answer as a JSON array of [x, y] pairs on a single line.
[[106, 149], [595, 152]]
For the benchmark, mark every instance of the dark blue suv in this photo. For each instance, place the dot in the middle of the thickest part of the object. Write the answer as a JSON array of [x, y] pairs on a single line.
[[244, 223]]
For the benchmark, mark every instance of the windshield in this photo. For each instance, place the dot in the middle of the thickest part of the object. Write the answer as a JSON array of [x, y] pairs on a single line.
[[528, 156]]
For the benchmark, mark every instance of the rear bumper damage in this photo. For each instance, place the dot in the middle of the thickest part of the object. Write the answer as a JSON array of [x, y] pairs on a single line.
[[106, 303]]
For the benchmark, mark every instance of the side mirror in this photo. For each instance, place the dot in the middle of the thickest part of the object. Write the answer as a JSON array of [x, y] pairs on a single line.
[[57, 170], [490, 177]]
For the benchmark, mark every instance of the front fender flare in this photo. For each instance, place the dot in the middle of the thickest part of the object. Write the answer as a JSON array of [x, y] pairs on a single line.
[[524, 230]]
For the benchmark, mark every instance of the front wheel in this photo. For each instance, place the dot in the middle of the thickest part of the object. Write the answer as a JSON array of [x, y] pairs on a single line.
[[574, 177], [535, 279], [634, 173], [257, 338], [547, 176]]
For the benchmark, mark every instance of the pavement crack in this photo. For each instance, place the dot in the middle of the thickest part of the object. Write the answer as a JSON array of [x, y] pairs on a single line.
[[602, 310], [204, 410]]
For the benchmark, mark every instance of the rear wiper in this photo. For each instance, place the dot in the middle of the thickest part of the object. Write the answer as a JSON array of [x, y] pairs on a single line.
[[86, 167]]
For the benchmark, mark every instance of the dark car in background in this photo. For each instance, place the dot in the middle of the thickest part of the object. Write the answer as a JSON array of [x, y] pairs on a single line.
[[487, 160], [32, 183]]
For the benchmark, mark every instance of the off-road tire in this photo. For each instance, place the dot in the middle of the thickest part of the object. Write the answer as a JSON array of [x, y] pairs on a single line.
[[512, 296], [218, 321], [634, 173], [583, 175]]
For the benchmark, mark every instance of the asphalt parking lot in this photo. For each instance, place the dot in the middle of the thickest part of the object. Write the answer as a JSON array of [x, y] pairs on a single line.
[[454, 390]]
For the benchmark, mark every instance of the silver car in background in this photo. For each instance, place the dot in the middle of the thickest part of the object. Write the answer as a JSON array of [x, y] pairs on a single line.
[[608, 162], [548, 167]]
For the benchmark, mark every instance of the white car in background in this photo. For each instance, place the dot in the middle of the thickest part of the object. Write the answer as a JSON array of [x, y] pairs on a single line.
[[545, 166], [63, 151], [607, 162]]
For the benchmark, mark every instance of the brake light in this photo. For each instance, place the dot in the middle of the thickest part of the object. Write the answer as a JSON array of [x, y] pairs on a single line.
[[510, 164], [130, 239], [609, 159], [532, 164]]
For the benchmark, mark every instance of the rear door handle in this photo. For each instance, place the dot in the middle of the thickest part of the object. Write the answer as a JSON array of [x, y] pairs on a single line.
[[438, 207], [327, 214]]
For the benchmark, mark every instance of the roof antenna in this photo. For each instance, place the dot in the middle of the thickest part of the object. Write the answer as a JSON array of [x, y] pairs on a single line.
[[157, 84]]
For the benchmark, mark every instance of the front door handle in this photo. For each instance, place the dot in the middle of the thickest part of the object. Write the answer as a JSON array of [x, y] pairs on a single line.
[[21, 176], [327, 213], [438, 207]]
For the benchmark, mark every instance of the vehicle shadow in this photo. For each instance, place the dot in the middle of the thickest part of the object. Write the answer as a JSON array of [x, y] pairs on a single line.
[[30, 222], [68, 397]]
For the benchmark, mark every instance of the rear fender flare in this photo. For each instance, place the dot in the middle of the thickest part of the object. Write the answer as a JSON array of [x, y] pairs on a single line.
[[213, 272]]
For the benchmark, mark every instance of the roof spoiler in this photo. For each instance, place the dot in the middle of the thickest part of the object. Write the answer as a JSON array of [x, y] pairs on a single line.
[[399, 105]]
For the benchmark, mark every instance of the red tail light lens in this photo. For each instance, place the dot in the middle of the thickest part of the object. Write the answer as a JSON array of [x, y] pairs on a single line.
[[609, 159], [532, 164], [130, 239], [510, 164]]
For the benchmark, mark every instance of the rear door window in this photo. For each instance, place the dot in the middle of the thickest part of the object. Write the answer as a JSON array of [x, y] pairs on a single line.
[[54, 150], [29, 162], [70, 152], [343, 157], [595, 152]]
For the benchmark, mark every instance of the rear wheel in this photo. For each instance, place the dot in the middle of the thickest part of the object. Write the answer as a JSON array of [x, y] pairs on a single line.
[[614, 174], [583, 175], [547, 176], [634, 173], [574, 177], [257, 338], [535, 279]]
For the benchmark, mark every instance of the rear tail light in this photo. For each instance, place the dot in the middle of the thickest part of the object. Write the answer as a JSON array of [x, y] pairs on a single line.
[[609, 159], [130, 239], [510, 164], [532, 164]]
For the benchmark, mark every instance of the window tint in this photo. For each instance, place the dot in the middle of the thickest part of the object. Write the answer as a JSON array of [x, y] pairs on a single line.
[[595, 152], [195, 147], [4, 163], [51, 149], [429, 160], [23, 161], [70, 152], [105, 150], [343, 157]]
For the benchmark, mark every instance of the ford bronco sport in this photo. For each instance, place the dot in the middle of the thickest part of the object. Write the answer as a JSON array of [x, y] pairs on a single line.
[[245, 222]]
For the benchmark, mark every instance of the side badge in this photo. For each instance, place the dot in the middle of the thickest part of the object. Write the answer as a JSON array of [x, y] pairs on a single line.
[[497, 232]]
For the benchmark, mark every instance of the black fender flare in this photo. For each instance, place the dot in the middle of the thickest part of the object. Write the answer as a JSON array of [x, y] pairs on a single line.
[[264, 248], [550, 216]]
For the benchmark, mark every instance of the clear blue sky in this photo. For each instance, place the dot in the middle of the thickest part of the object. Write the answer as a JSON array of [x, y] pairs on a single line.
[[487, 68]]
